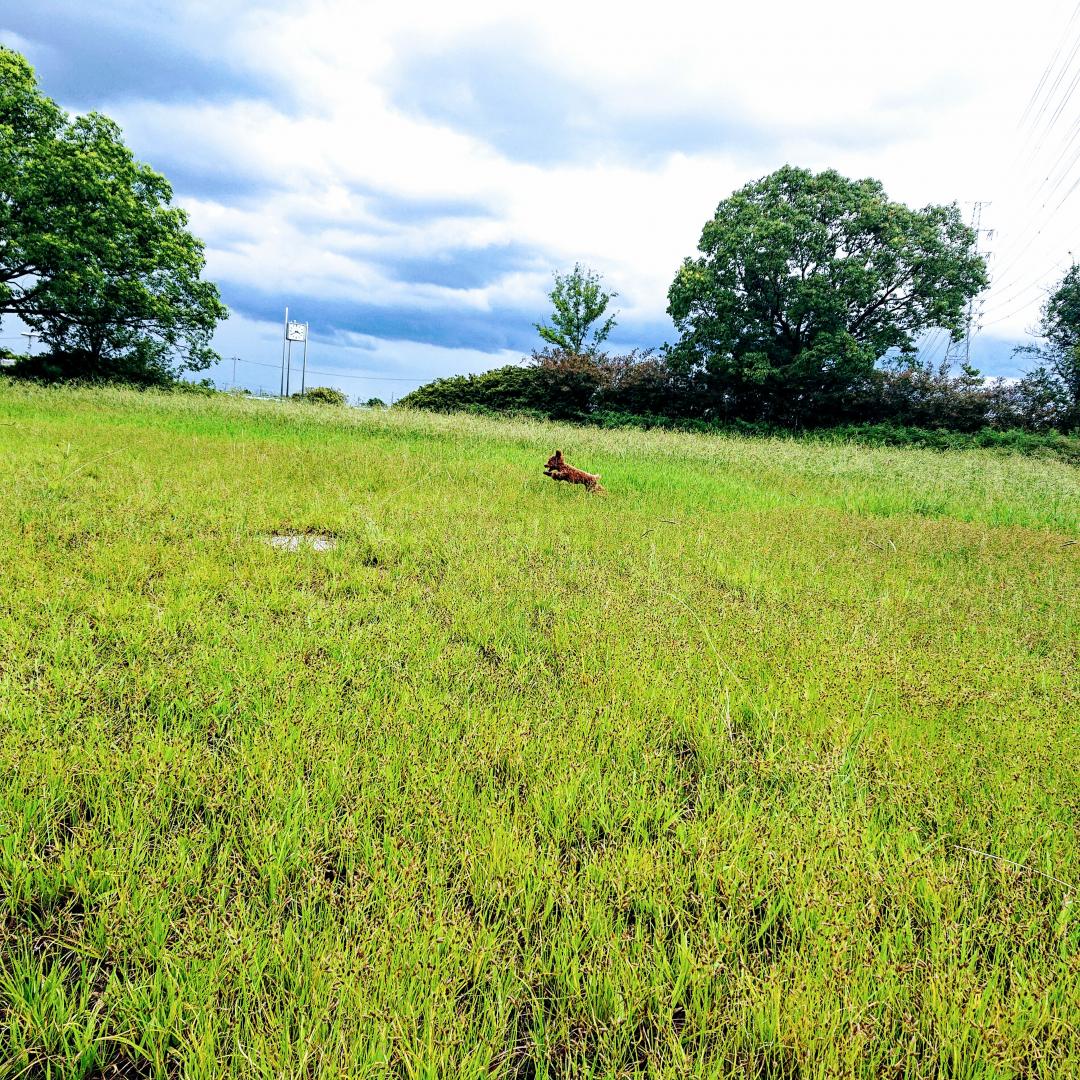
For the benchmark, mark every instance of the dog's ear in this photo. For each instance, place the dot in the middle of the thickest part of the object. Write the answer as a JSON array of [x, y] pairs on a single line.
[[558, 456]]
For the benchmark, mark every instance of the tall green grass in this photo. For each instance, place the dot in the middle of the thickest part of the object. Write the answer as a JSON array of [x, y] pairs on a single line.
[[764, 764]]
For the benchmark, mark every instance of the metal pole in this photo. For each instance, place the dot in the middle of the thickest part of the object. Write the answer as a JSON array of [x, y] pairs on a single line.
[[288, 371], [303, 375], [284, 347], [234, 372]]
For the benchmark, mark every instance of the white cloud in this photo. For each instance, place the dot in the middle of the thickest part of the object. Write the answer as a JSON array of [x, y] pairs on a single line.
[[924, 96], [16, 42], [362, 366]]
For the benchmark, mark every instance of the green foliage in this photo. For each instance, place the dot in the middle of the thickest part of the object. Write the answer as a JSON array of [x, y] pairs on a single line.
[[375, 403], [908, 394], [805, 281], [556, 384], [563, 392], [200, 388], [902, 405], [1049, 444], [323, 395], [691, 781], [1055, 382], [643, 390], [579, 302], [31, 223], [94, 256]]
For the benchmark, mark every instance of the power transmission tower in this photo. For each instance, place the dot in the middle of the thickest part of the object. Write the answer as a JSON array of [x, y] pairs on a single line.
[[976, 221]]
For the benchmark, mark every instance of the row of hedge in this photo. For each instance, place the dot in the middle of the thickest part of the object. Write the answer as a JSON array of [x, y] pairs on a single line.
[[912, 406]]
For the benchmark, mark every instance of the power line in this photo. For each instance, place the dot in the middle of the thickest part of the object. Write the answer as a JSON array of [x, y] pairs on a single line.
[[313, 371], [1057, 82], [1010, 297], [1060, 76], [1019, 284], [1048, 104], [931, 345], [1015, 290], [343, 375], [1049, 67], [1023, 160], [1016, 311], [1016, 255], [1038, 220], [1034, 215], [1050, 82]]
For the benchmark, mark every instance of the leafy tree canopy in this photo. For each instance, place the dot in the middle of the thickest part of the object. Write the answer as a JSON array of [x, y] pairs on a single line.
[[579, 302], [1058, 374], [93, 255], [30, 125], [805, 281]]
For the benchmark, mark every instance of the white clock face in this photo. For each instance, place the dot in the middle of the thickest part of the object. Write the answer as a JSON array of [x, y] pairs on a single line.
[[296, 332]]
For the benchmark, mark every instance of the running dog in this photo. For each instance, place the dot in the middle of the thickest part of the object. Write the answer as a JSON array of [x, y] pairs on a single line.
[[559, 469]]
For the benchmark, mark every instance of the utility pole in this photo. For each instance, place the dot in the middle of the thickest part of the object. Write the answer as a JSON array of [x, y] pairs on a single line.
[[30, 336], [303, 372], [234, 359], [976, 219], [284, 349]]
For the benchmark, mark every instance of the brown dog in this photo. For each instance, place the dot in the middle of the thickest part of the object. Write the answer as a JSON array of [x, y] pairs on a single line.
[[558, 469]]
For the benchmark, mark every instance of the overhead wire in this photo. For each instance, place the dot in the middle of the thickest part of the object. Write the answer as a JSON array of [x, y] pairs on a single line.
[[1023, 161], [1032, 160], [336, 374], [1016, 311], [1041, 116], [1049, 67]]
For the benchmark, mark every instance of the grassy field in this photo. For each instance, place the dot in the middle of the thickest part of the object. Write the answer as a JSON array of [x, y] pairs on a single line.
[[765, 764]]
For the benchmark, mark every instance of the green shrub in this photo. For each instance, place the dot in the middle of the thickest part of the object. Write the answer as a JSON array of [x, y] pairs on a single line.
[[1038, 443], [556, 394], [901, 403], [202, 388], [323, 395], [557, 385]]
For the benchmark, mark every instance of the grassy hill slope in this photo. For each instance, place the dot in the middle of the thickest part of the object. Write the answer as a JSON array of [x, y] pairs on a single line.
[[764, 764]]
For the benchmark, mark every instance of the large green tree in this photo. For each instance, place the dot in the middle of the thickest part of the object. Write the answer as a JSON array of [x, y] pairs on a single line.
[[804, 282], [30, 127], [579, 303], [1057, 376], [93, 254]]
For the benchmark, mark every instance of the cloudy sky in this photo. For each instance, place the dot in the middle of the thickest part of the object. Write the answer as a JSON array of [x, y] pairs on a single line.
[[407, 176]]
